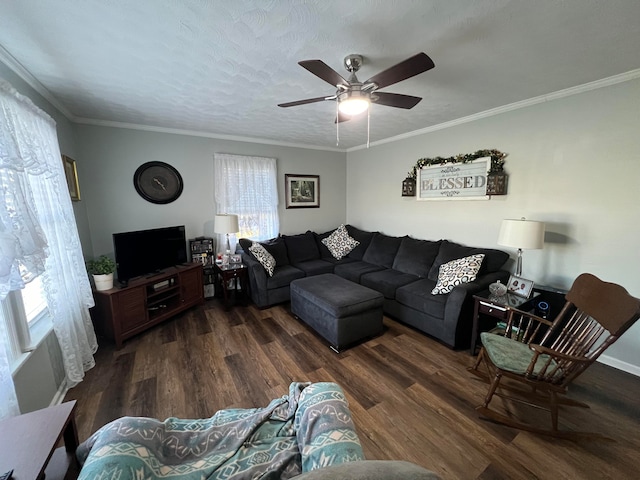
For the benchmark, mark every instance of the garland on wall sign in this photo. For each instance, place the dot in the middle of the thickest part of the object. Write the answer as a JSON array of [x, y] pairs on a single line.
[[497, 161]]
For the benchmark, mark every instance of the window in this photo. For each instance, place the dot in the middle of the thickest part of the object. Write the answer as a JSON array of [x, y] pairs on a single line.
[[25, 313], [247, 187]]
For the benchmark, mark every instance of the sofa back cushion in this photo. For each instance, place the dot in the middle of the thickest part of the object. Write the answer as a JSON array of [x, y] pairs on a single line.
[[493, 259], [416, 256], [322, 248], [302, 247], [361, 236], [382, 250], [275, 246]]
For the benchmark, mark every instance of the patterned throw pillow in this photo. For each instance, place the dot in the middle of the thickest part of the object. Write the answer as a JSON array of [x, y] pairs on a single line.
[[456, 272], [340, 243], [264, 257]]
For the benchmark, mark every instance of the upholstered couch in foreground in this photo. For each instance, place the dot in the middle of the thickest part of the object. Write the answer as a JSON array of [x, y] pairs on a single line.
[[404, 269], [300, 433]]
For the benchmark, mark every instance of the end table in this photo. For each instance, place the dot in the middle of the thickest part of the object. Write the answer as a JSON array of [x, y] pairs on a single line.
[[231, 273], [28, 444], [491, 309]]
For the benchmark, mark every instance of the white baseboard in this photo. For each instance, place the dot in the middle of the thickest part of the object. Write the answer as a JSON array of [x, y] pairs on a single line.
[[59, 396], [620, 365]]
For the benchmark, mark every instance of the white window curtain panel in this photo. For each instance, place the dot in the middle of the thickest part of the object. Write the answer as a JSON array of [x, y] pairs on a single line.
[[247, 186], [38, 232]]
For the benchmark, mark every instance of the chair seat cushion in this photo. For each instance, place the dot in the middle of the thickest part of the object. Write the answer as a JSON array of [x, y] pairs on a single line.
[[513, 356]]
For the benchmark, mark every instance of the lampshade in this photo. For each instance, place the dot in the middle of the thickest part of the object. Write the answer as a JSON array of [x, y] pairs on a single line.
[[225, 223], [523, 234], [353, 103]]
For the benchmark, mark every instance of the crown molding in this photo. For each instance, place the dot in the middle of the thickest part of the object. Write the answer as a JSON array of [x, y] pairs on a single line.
[[195, 133], [567, 92], [24, 74]]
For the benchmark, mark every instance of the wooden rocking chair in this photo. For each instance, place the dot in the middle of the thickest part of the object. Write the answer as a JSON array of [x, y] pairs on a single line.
[[547, 356]]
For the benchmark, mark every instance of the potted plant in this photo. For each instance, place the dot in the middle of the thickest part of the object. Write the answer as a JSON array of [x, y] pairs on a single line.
[[102, 270]]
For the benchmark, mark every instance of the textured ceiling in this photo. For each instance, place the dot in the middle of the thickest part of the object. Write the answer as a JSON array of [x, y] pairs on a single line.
[[221, 67]]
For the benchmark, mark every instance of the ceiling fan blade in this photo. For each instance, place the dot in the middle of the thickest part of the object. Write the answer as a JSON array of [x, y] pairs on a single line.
[[409, 68], [324, 71], [305, 101], [342, 118], [396, 100]]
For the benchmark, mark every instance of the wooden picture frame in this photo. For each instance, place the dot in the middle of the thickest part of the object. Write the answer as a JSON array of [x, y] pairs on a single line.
[[71, 174], [302, 191], [519, 286]]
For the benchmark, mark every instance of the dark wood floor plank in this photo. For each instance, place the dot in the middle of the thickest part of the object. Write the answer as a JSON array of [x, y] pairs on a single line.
[[411, 397]]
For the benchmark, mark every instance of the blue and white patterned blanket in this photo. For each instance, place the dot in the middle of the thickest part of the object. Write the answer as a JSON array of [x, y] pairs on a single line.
[[309, 428]]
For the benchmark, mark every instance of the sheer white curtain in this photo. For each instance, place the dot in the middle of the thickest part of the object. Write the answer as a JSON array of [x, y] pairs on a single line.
[[247, 186], [38, 233]]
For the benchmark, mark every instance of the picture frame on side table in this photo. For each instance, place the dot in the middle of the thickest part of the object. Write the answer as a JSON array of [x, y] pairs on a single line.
[[71, 174], [302, 191], [519, 286]]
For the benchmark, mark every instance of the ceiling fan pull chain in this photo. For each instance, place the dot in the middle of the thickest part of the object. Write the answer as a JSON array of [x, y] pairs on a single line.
[[368, 123], [337, 125]]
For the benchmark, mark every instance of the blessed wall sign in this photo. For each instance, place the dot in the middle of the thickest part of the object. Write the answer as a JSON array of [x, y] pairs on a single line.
[[465, 181]]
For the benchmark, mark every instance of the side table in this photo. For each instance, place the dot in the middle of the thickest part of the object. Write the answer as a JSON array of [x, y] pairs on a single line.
[[491, 309], [28, 444], [225, 274]]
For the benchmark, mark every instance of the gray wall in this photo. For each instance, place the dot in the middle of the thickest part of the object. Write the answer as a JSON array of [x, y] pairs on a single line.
[[110, 156], [573, 163]]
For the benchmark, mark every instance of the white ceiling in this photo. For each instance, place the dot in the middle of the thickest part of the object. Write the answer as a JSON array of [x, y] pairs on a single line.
[[221, 67]]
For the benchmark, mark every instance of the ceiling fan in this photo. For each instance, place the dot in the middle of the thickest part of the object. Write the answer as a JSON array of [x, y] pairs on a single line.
[[354, 97]]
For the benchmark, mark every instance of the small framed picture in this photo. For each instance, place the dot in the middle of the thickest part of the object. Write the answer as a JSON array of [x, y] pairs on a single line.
[[520, 286], [71, 174], [302, 191], [235, 258]]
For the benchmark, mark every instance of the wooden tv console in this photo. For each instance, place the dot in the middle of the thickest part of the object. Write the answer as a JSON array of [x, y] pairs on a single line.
[[121, 313]]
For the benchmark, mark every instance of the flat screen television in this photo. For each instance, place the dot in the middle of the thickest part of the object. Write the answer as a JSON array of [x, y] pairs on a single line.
[[149, 251]]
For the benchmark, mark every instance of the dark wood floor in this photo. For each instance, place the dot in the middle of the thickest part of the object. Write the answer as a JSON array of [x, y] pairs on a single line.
[[411, 397]]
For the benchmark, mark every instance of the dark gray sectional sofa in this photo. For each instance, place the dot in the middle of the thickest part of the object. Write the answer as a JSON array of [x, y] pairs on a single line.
[[403, 269]]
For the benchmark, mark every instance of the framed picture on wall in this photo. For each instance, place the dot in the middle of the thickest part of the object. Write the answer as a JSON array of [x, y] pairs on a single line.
[[302, 191], [71, 174]]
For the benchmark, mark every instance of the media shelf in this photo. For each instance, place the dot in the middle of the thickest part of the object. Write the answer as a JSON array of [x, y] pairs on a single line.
[[121, 313]]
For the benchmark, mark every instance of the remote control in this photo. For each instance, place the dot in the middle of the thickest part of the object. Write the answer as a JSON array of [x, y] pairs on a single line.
[[6, 475]]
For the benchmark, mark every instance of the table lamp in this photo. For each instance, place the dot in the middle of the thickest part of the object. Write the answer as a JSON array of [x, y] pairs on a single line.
[[225, 223], [521, 234]]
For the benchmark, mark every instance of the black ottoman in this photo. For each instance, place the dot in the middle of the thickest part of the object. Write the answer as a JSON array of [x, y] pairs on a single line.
[[341, 311]]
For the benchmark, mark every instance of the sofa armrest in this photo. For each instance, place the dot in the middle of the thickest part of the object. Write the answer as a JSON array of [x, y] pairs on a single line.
[[324, 429], [257, 279], [458, 312]]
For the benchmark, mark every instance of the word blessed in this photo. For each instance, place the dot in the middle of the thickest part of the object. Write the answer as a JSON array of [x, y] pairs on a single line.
[[454, 183], [460, 180]]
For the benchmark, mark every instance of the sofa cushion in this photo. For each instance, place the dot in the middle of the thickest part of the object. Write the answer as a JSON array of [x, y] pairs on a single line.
[[325, 254], [301, 247], [371, 470], [355, 269], [361, 236], [417, 295], [493, 259], [340, 243], [416, 256], [315, 267], [275, 246], [387, 281], [456, 272], [382, 250], [283, 276], [264, 257]]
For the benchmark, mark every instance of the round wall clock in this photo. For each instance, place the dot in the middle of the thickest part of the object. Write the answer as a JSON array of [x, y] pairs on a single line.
[[158, 182]]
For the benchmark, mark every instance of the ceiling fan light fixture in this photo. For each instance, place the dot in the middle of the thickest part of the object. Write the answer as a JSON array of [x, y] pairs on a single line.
[[353, 103]]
